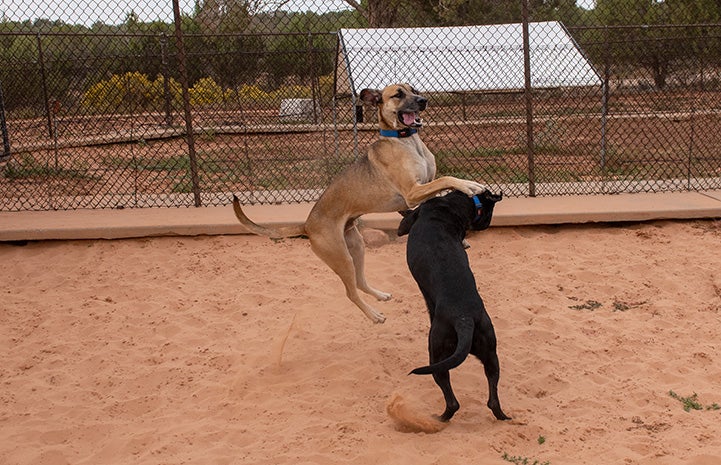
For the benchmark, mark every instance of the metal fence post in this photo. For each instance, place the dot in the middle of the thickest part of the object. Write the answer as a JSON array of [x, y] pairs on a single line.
[[167, 98], [604, 102], [529, 103], [689, 166], [46, 102], [313, 78], [190, 136], [4, 128]]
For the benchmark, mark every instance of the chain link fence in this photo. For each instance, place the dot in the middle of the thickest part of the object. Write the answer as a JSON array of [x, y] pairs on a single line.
[[132, 104]]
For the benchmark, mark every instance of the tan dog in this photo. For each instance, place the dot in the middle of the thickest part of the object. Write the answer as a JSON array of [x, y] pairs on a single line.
[[397, 174]]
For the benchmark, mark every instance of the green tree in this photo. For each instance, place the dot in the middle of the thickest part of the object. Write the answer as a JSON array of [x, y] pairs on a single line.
[[378, 13], [304, 51], [230, 53], [649, 33], [382, 13], [19, 70]]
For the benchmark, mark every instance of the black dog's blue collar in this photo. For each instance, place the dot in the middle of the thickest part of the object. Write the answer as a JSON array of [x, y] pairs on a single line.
[[479, 207], [405, 132]]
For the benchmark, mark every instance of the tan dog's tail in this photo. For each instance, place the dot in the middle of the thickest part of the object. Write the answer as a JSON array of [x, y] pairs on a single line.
[[288, 231]]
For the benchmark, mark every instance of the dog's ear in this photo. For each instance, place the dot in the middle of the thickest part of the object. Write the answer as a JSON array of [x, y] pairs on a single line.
[[497, 198], [491, 197], [371, 96], [405, 213], [409, 217]]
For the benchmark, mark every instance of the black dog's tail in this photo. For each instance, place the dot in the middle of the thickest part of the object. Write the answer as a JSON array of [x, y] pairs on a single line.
[[464, 333]]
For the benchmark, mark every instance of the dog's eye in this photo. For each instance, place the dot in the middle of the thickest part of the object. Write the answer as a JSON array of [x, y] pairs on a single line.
[[399, 94]]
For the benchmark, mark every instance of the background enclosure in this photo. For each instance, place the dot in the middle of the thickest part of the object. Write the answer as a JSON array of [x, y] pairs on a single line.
[[108, 107]]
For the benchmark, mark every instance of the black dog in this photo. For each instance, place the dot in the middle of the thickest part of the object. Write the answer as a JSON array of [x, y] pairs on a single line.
[[439, 264]]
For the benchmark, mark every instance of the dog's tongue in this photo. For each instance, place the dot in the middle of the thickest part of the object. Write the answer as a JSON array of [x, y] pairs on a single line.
[[409, 119]]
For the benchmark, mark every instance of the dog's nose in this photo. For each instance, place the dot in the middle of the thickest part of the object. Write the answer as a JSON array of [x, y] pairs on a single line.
[[422, 101]]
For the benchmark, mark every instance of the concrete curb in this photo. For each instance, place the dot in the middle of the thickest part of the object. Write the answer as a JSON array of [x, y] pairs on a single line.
[[129, 223]]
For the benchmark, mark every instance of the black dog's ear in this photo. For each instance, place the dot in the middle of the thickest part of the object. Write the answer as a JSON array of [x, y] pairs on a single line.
[[409, 217], [488, 195], [371, 96]]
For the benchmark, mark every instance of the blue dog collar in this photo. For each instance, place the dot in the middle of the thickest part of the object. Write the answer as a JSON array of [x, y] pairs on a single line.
[[479, 207], [405, 132]]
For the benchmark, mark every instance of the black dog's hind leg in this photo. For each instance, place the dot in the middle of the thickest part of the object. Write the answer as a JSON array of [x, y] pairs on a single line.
[[443, 380], [484, 347], [440, 349], [492, 369]]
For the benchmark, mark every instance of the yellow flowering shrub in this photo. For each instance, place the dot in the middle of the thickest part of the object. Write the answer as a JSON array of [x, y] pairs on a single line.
[[133, 91], [206, 92], [125, 92]]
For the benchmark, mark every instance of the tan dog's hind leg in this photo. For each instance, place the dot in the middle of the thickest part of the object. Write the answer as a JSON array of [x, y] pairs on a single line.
[[330, 246], [356, 247]]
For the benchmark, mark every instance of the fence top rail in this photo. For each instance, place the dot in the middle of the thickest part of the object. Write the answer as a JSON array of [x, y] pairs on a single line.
[[642, 26], [168, 33]]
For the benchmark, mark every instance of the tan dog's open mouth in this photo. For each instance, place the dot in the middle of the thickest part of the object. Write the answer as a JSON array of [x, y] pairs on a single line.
[[411, 119]]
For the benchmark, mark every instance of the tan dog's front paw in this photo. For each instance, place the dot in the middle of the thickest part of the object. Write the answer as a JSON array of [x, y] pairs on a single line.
[[476, 188]]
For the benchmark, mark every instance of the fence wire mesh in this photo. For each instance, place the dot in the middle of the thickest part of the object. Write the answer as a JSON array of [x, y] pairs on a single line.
[[144, 104]]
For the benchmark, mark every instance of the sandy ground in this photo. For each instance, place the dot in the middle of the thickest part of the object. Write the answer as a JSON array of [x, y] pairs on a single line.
[[241, 350]]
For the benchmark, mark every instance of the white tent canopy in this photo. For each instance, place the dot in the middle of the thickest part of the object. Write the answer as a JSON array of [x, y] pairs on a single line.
[[461, 59]]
